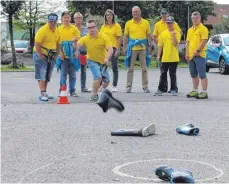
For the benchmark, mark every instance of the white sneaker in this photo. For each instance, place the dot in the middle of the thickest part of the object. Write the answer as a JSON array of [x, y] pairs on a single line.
[[43, 97], [149, 130], [114, 89]]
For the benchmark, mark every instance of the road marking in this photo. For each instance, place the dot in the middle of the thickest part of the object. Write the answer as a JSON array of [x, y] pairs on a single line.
[[20, 78], [116, 169]]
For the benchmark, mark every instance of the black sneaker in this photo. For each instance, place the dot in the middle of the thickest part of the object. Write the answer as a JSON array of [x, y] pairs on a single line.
[[85, 90], [74, 94]]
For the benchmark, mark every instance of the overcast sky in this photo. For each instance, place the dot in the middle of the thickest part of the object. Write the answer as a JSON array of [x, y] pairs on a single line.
[[222, 1]]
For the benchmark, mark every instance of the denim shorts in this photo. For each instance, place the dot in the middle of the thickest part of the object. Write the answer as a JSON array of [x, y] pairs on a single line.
[[98, 72], [197, 66], [43, 68]]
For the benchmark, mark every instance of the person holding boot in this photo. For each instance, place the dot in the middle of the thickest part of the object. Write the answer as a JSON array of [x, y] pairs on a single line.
[[78, 18], [168, 45], [99, 51], [46, 48], [114, 32], [68, 62], [159, 28]]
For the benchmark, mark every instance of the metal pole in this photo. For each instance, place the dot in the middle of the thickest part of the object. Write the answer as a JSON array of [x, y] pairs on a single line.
[[113, 5], [188, 16]]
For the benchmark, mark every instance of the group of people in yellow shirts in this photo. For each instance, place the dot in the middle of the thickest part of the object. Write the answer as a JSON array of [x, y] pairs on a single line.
[[72, 47]]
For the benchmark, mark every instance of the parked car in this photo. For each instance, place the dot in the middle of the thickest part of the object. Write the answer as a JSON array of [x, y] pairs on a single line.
[[218, 53], [21, 46]]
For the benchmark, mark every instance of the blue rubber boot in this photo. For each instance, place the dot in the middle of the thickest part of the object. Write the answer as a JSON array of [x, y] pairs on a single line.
[[187, 129], [164, 173], [182, 176]]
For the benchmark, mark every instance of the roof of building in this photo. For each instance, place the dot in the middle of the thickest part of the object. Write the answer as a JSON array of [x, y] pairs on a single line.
[[221, 11]]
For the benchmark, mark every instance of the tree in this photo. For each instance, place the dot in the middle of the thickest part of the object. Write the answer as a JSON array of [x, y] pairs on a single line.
[[121, 8], [11, 10], [150, 9], [33, 14], [29, 18], [179, 9]]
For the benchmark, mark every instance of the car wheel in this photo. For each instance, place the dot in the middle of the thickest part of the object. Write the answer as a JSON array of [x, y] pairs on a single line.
[[207, 68], [223, 69]]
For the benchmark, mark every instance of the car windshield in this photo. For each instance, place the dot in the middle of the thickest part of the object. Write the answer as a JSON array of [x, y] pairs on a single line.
[[20, 44], [226, 40]]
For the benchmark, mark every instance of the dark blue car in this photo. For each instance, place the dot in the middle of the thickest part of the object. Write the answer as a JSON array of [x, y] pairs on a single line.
[[218, 53]]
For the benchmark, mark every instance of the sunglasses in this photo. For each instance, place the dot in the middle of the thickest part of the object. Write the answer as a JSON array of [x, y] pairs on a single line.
[[164, 13]]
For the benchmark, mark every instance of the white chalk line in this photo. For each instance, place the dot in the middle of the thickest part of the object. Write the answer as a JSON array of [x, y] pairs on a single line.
[[51, 163], [116, 169]]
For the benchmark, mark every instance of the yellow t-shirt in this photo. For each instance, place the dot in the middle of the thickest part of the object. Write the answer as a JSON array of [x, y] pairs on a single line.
[[68, 33], [47, 38], [96, 47], [112, 32], [170, 52], [194, 37], [138, 30], [161, 26]]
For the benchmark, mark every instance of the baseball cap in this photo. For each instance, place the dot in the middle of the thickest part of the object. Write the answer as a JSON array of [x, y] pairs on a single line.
[[164, 11], [170, 19], [52, 17]]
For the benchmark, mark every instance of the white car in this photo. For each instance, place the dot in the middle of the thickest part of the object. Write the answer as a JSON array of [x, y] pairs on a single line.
[[21, 46]]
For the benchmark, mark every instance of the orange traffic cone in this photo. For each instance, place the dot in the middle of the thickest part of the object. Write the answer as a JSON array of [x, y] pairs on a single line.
[[63, 95]]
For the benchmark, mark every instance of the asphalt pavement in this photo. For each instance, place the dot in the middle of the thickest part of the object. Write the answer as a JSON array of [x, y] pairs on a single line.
[[50, 143]]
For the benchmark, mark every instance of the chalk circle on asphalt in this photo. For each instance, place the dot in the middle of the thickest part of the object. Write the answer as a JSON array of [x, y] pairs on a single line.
[[202, 171], [19, 78]]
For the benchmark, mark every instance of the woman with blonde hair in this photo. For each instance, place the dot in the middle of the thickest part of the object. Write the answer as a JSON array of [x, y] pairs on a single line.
[[114, 32], [78, 19]]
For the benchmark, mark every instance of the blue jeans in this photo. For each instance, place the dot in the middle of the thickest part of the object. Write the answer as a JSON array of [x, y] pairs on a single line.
[[83, 76], [68, 68], [43, 68], [114, 62], [98, 72], [197, 66]]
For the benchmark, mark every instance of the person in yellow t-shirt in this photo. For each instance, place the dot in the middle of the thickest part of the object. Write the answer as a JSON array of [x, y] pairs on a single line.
[[159, 28], [137, 42], [196, 47], [99, 51], [114, 32], [69, 36], [168, 43], [46, 48], [78, 19]]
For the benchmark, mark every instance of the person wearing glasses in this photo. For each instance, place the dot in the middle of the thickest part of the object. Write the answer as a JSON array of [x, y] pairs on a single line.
[[46, 48], [78, 19], [159, 28], [137, 42], [196, 47], [114, 32], [168, 43], [69, 64], [99, 52]]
